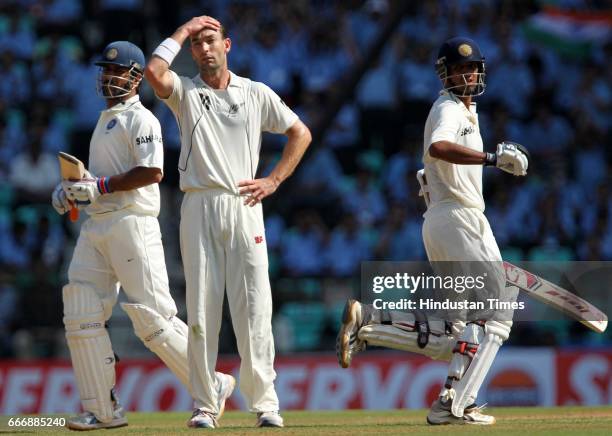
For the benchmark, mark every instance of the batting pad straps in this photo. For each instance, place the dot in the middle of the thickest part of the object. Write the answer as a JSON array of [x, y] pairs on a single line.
[[409, 331], [167, 50], [463, 352]]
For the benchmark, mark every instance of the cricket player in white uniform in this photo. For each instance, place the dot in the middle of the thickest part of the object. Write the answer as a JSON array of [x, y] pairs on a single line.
[[221, 118], [455, 229], [120, 245]]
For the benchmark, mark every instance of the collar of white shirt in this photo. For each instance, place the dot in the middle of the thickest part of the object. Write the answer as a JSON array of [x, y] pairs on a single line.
[[233, 82], [124, 104], [471, 110]]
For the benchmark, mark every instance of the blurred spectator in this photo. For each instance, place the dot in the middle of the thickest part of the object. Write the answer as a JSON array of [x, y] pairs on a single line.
[[269, 60], [302, 245], [328, 59], [365, 23], [16, 248], [347, 247], [19, 35], [34, 173], [364, 199], [547, 134], [14, 86], [418, 85], [400, 236]]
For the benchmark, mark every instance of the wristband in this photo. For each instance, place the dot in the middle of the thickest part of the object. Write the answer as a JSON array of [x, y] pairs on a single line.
[[490, 159], [104, 185], [167, 50]]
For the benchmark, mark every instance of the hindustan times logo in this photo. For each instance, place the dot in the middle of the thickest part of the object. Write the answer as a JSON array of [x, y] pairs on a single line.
[[430, 304], [411, 283]]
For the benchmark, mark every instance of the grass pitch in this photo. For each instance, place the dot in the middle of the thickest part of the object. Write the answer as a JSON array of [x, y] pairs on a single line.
[[510, 421]]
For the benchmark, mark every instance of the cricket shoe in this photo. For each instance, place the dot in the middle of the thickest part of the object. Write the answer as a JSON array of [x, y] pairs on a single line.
[[269, 419], [88, 421], [226, 387], [202, 419], [440, 414], [348, 342]]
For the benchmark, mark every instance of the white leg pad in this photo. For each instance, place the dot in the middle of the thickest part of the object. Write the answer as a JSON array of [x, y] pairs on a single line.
[[402, 334], [466, 388], [166, 338], [90, 348], [472, 334]]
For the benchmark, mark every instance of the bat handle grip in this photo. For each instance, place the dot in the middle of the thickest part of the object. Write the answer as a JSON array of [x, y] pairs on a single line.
[[74, 214]]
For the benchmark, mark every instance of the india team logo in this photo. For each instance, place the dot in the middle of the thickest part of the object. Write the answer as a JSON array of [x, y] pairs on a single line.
[[465, 50], [111, 54]]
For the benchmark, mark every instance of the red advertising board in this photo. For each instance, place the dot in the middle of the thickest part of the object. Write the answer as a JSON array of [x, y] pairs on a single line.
[[376, 380]]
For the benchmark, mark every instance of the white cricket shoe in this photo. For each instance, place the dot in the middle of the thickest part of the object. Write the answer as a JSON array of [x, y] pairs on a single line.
[[269, 419], [88, 421], [474, 415], [440, 414], [202, 419], [347, 342], [226, 387]]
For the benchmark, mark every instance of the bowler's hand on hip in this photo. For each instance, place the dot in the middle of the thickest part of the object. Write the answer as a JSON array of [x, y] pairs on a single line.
[[256, 190]]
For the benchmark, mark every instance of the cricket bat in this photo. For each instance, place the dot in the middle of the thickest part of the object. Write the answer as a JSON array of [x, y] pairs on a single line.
[[557, 297], [71, 169]]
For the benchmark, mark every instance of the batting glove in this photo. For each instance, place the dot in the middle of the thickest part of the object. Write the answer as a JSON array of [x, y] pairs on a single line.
[[510, 157], [59, 201], [86, 190]]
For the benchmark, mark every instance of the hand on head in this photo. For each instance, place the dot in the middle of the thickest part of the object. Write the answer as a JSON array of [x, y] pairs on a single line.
[[196, 24]]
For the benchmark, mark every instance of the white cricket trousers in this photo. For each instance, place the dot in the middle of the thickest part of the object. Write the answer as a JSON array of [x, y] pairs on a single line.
[[223, 248], [462, 235], [123, 249], [453, 232]]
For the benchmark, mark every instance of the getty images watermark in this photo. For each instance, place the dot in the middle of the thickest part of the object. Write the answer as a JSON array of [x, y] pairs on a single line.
[[477, 290], [401, 283]]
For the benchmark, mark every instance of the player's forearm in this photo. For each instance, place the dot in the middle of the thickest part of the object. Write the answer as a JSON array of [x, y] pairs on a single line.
[[456, 153], [157, 71], [180, 35], [135, 178], [299, 140]]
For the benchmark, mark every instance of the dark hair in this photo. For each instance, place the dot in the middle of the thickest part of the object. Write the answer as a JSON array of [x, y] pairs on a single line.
[[222, 31]]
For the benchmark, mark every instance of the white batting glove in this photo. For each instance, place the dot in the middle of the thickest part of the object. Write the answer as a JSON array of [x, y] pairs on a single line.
[[59, 201], [512, 158], [86, 190]]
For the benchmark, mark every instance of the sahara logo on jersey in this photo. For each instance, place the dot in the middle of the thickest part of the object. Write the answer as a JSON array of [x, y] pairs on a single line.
[[111, 124], [467, 130], [148, 138]]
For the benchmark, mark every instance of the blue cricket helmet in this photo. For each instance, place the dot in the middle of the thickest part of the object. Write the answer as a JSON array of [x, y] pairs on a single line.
[[124, 54], [461, 50]]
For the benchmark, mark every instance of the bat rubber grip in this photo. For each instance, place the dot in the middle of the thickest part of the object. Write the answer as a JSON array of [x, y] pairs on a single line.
[[74, 214]]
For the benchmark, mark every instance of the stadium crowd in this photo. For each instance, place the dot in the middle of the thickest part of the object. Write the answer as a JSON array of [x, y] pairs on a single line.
[[355, 196]]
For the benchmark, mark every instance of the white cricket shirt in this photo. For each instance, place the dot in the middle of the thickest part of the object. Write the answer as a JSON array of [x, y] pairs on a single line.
[[127, 135], [221, 129], [449, 120]]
